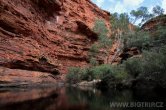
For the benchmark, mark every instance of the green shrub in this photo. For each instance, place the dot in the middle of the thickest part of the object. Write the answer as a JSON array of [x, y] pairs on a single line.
[[102, 31], [154, 64], [138, 39], [94, 48], [161, 32], [116, 77], [97, 72], [100, 71], [159, 37], [94, 62], [73, 75], [151, 65], [133, 67], [86, 74], [100, 27], [119, 72], [93, 51], [104, 41], [163, 50], [76, 74]]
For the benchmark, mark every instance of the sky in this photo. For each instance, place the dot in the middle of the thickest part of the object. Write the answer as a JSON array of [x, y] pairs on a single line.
[[122, 6]]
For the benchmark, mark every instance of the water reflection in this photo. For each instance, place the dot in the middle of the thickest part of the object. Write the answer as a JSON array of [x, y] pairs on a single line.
[[70, 98]]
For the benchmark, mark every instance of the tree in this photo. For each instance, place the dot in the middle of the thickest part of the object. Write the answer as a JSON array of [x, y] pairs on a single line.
[[103, 40], [137, 14], [102, 31], [100, 27], [120, 24], [157, 10], [141, 13]]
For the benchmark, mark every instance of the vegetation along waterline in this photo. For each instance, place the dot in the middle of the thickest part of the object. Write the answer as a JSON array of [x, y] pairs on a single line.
[[145, 70], [72, 55]]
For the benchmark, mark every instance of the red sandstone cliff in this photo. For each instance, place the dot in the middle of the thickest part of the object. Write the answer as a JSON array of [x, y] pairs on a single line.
[[47, 35], [152, 24]]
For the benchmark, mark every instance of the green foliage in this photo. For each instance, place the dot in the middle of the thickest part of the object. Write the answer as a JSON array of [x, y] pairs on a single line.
[[139, 39], [102, 31], [73, 75], [119, 72], [158, 38], [144, 41], [86, 74], [163, 50], [119, 22], [92, 54], [103, 41], [100, 27], [76, 75], [151, 65], [116, 77], [120, 28], [121, 75], [157, 10], [114, 21], [137, 14], [94, 62], [124, 21], [160, 34], [133, 67], [100, 71], [152, 60], [94, 48], [154, 64], [145, 15], [141, 13]]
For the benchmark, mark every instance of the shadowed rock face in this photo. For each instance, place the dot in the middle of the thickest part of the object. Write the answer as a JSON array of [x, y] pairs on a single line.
[[152, 24], [47, 35], [49, 7]]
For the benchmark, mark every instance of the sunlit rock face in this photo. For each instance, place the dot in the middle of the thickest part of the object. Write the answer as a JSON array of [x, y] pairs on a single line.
[[47, 35], [24, 78]]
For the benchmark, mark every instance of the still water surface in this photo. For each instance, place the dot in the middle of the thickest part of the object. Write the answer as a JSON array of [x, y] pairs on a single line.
[[71, 98]]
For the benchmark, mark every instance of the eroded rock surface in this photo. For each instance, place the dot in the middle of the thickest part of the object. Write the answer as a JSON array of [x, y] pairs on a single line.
[[24, 78], [153, 23], [47, 35]]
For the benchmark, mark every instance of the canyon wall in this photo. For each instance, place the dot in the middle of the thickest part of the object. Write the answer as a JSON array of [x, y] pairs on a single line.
[[153, 23], [47, 35]]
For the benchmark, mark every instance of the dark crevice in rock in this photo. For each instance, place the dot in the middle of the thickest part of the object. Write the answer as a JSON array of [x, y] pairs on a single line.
[[7, 27], [84, 29], [50, 7], [43, 60], [128, 53]]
